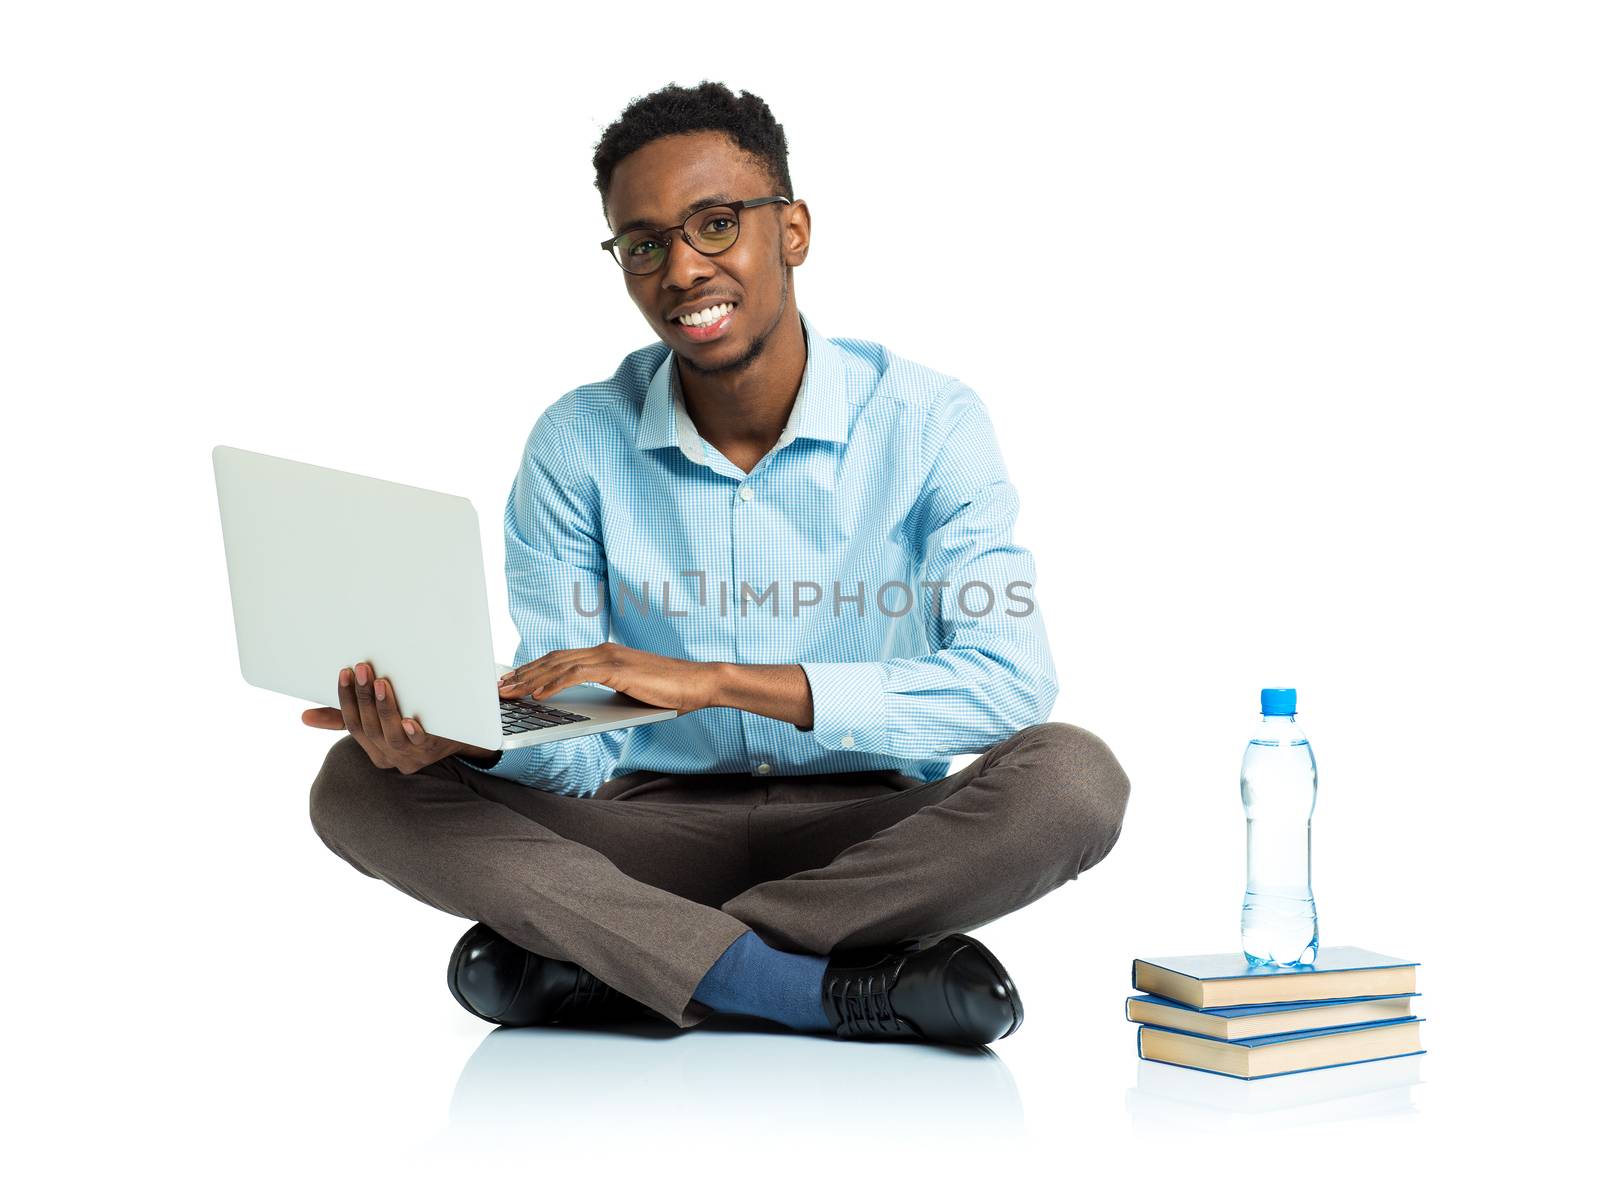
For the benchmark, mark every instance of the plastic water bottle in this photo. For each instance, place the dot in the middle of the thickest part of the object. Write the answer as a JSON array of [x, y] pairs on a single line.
[[1278, 783]]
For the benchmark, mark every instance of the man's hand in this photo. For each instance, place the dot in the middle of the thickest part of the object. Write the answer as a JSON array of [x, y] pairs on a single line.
[[369, 711], [683, 685]]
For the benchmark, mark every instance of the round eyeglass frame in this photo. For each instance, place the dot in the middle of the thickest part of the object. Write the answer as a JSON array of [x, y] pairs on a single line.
[[662, 233]]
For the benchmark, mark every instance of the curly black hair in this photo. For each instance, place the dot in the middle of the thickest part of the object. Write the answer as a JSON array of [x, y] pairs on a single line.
[[709, 106]]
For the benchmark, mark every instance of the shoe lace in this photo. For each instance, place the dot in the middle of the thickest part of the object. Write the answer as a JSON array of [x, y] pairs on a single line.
[[590, 993], [863, 1006]]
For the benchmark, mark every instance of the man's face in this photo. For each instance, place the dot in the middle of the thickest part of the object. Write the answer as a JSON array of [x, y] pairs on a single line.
[[657, 185]]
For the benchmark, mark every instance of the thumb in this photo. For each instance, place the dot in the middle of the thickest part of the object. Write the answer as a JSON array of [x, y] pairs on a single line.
[[323, 718]]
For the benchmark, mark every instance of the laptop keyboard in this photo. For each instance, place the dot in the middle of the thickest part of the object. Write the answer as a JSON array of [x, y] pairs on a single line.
[[522, 715]]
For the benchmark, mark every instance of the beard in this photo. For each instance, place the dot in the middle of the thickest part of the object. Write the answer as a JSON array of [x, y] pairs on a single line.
[[757, 345]]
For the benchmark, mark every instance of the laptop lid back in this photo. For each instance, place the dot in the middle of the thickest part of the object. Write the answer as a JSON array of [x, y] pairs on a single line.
[[327, 568]]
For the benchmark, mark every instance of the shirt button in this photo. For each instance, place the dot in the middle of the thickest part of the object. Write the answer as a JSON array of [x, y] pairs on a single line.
[[763, 768], [848, 740], [746, 494]]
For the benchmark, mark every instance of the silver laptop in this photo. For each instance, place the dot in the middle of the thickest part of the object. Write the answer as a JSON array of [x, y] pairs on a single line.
[[329, 568]]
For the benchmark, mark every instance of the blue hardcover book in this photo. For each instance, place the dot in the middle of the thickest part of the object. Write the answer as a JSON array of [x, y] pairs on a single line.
[[1276, 1018], [1279, 1055], [1227, 979]]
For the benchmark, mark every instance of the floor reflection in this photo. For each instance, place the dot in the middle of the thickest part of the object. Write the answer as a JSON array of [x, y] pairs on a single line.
[[743, 1075], [1171, 1098]]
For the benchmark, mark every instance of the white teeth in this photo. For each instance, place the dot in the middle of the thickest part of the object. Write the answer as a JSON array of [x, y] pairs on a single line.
[[706, 316]]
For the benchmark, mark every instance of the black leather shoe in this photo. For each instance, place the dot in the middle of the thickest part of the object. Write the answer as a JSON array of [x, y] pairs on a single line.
[[952, 992], [503, 983], [872, 954]]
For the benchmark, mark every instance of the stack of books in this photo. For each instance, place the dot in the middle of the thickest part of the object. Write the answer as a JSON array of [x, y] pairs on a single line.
[[1220, 1014]]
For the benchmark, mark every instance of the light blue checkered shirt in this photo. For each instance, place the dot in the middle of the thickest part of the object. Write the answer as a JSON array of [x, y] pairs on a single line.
[[872, 546]]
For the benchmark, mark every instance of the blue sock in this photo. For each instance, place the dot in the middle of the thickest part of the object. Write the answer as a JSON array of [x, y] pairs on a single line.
[[752, 978]]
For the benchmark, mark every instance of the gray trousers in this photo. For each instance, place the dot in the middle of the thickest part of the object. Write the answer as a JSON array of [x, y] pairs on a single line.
[[647, 882]]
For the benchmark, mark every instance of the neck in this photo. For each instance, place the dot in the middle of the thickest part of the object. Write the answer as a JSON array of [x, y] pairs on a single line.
[[742, 410], [1279, 726]]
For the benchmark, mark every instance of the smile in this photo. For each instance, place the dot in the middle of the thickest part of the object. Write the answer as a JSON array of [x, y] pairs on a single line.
[[708, 324]]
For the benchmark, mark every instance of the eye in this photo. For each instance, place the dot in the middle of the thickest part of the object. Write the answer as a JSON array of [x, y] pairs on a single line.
[[641, 246], [711, 224]]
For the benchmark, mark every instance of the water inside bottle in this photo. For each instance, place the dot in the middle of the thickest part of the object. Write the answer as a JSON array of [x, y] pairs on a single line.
[[1279, 787]]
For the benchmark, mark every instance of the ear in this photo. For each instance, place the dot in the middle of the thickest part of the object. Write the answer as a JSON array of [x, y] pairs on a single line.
[[796, 235]]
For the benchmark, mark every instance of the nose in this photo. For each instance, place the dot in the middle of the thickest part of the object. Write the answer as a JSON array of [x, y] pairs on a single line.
[[684, 265]]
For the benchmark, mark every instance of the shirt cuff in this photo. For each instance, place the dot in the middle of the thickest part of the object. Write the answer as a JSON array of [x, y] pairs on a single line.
[[847, 706]]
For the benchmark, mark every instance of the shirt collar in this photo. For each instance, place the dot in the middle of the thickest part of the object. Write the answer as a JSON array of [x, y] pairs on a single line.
[[821, 407]]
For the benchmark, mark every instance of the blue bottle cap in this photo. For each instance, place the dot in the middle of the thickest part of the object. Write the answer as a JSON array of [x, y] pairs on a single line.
[[1277, 703]]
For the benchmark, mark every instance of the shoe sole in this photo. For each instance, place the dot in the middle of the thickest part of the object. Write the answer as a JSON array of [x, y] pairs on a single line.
[[1000, 972]]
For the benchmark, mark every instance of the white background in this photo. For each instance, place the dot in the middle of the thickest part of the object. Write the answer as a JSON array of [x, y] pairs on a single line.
[[1285, 315]]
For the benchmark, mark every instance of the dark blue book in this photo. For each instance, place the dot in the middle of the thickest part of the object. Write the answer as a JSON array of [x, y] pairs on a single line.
[[1227, 979], [1279, 1055], [1247, 1022]]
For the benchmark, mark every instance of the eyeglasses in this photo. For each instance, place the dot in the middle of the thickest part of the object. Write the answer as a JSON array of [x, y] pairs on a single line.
[[709, 231]]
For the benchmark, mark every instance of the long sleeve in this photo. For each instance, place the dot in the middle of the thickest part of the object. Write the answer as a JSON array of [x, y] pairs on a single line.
[[989, 672], [552, 547]]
